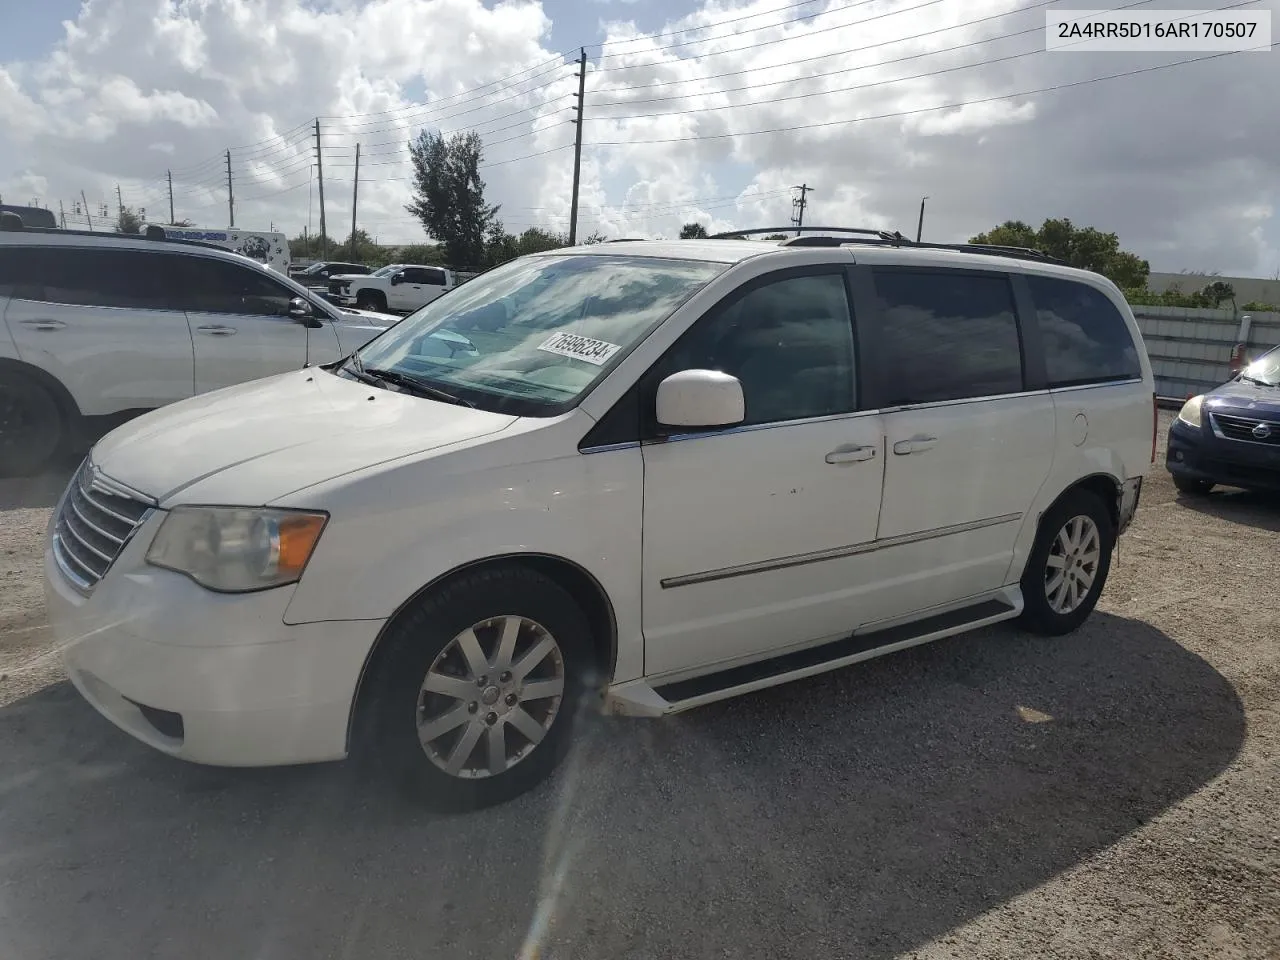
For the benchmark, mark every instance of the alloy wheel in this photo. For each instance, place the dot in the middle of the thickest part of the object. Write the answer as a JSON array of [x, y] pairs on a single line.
[[490, 696]]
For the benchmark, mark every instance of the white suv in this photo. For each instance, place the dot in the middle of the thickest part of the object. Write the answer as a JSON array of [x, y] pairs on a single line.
[[97, 327], [668, 472]]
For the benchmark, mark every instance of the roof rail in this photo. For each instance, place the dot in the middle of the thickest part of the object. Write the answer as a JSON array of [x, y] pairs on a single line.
[[153, 232], [878, 234], [861, 235]]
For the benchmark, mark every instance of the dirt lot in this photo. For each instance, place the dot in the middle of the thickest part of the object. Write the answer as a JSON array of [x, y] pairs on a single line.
[[1113, 794]]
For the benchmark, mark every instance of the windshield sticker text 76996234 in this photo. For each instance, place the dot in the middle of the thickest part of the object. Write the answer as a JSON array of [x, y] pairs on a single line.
[[579, 348]]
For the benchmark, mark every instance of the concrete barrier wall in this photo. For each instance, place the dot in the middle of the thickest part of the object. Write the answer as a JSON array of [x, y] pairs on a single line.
[[1190, 349]]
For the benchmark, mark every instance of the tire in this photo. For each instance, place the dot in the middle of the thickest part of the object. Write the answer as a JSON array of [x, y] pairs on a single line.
[[371, 300], [1049, 609], [398, 717], [1191, 486], [32, 428]]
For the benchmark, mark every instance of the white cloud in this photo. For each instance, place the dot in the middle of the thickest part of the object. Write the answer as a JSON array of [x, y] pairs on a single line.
[[1182, 163]]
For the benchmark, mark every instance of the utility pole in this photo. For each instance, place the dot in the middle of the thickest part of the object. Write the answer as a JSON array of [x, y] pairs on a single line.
[[324, 234], [577, 145], [799, 204], [88, 216], [62, 215], [231, 197], [355, 192], [119, 201], [172, 218], [920, 224]]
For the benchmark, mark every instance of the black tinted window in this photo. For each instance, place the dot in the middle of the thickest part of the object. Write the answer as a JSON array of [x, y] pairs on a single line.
[[790, 342], [215, 286], [88, 277], [1085, 337], [947, 335]]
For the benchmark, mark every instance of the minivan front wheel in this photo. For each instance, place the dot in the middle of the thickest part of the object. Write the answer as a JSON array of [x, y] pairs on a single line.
[[1068, 565], [472, 696]]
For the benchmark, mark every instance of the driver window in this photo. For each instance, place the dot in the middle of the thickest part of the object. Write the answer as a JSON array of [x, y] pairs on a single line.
[[215, 286], [789, 342]]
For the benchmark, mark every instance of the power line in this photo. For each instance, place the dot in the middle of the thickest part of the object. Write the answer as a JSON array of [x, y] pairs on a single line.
[[919, 110], [765, 43], [833, 73], [708, 26]]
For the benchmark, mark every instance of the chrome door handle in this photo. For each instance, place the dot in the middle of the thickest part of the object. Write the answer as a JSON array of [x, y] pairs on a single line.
[[916, 444], [43, 324], [851, 453], [217, 330]]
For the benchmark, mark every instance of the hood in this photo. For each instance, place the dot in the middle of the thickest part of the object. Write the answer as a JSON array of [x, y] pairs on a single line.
[[253, 443], [1248, 398], [351, 314], [349, 276]]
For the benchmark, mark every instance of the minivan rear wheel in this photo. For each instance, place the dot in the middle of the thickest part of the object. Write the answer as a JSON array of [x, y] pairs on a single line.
[[1068, 565], [32, 428], [472, 695]]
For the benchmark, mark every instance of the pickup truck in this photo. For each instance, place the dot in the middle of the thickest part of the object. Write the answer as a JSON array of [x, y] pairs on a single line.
[[398, 287]]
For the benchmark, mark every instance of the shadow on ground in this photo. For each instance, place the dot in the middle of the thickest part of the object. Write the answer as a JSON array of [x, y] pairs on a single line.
[[856, 814], [1246, 507]]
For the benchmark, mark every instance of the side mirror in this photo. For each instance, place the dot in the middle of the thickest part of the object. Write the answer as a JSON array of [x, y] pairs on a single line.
[[301, 312], [397, 278], [700, 398]]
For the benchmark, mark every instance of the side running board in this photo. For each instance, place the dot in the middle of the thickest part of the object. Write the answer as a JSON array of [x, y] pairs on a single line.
[[637, 698]]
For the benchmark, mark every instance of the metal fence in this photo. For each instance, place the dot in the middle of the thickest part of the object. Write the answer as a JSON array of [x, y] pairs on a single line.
[[1191, 350]]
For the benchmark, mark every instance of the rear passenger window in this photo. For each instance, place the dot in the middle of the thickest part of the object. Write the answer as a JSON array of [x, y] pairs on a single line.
[[947, 335], [1086, 339], [789, 342], [87, 277]]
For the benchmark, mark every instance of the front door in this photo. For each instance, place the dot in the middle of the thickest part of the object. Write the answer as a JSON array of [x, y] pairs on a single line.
[[240, 324], [968, 446], [751, 533]]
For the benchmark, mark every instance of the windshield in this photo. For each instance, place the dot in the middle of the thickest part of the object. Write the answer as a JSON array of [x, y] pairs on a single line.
[[1265, 370], [386, 271], [531, 337]]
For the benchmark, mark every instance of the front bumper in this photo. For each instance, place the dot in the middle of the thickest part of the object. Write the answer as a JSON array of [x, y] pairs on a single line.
[[212, 678], [1198, 454]]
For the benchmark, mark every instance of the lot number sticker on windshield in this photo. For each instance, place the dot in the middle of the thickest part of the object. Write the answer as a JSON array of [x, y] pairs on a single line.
[[579, 348]]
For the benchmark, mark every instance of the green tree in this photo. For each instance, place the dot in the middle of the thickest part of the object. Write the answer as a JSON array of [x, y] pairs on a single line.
[[309, 247], [448, 194], [428, 254], [596, 237], [1084, 247], [693, 231], [128, 221], [1219, 291], [537, 240]]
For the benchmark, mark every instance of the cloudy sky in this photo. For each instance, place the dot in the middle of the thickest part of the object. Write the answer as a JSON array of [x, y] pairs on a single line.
[[707, 110]]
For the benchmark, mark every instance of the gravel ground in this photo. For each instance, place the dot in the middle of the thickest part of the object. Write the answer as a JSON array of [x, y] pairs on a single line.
[[1113, 794]]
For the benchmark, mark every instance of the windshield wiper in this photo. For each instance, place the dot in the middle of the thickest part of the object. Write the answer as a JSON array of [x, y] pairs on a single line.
[[1261, 383], [414, 385]]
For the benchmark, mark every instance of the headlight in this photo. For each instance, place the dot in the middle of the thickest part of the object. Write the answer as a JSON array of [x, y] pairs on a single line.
[[1190, 412], [232, 549]]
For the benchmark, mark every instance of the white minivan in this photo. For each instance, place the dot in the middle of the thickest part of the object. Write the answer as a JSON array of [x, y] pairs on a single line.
[[660, 472]]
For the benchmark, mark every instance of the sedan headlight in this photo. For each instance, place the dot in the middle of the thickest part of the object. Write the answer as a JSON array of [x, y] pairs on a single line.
[[235, 549], [1190, 412]]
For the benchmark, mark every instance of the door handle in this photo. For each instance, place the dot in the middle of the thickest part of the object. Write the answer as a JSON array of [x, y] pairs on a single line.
[[851, 453], [217, 330], [917, 444], [43, 324]]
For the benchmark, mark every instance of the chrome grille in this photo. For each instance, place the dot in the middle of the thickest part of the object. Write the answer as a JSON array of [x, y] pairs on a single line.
[[1248, 429], [96, 519]]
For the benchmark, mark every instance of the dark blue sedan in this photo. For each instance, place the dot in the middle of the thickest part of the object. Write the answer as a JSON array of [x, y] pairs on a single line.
[[1230, 435]]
